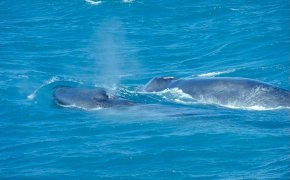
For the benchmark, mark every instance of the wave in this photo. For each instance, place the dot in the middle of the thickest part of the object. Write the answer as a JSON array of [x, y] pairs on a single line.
[[213, 74], [52, 80], [235, 9], [216, 51], [33, 94], [93, 2], [128, 1]]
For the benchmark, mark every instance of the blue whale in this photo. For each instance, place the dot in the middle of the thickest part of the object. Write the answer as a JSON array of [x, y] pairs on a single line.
[[87, 98], [240, 92]]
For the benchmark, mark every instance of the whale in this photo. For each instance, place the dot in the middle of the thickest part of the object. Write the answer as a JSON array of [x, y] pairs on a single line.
[[87, 98], [226, 91]]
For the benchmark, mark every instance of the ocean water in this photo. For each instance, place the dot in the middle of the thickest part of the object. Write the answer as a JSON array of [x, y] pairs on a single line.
[[121, 45]]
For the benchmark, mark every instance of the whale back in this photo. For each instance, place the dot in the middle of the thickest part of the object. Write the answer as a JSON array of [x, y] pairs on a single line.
[[235, 91], [241, 92], [158, 84]]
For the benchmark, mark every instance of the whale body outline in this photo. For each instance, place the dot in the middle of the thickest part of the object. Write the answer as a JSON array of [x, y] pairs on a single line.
[[242, 92]]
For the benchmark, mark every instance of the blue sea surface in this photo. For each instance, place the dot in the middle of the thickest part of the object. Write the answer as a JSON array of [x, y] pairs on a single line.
[[121, 45]]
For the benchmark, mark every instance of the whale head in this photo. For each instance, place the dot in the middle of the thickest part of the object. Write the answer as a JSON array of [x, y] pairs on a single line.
[[158, 84], [86, 98]]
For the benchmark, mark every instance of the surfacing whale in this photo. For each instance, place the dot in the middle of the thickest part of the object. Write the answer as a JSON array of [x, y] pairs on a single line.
[[239, 92], [87, 98]]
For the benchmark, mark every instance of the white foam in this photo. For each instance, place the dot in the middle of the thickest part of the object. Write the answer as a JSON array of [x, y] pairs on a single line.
[[31, 96], [254, 108], [169, 77], [128, 1], [176, 95], [175, 92], [234, 9], [213, 74], [51, 80], [93, 2], [80, 107]]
